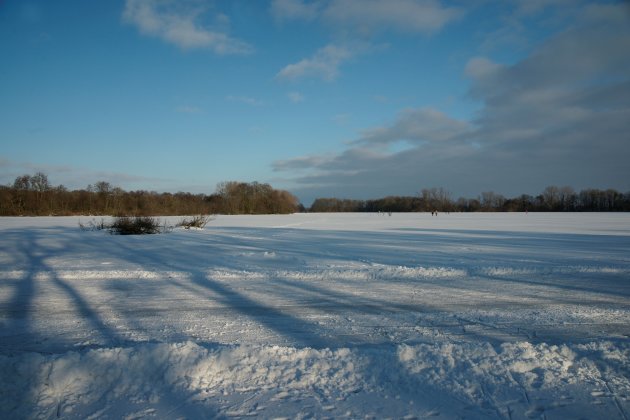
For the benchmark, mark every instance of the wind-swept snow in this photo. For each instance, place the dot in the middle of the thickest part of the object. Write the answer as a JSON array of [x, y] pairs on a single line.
[[319, 315]]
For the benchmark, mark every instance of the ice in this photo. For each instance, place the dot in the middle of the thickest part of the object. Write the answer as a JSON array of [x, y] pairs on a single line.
[[319, 315]]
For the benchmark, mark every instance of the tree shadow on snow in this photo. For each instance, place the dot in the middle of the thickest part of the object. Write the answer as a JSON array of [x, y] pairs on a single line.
[[43, 254]]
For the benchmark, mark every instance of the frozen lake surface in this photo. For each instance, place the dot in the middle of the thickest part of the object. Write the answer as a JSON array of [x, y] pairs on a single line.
[[319, 315]]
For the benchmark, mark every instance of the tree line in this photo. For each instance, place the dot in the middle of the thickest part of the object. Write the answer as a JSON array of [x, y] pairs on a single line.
[[553, 199], [33, 195]]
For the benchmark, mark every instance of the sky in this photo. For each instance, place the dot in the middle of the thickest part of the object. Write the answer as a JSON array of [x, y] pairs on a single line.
[[325, 98]]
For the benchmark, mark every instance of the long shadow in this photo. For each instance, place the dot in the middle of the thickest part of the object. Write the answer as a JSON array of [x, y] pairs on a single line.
[[293, 328], [549, 250], [523, 250], [273, 317], [336, 301], [31, 254], [342, 246], [18, 308], [21, 334], [345, 247], [28, 257], [34, 255]]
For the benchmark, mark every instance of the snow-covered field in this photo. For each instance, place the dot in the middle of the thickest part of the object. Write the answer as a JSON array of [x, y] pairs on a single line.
[[319, 315]]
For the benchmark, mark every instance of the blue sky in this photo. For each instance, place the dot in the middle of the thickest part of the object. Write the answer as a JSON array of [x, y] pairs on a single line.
[[346, 98]]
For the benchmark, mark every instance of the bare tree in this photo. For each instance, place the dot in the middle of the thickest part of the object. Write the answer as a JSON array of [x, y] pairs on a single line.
[[22, 183], [551, 197], [491, 201], [39, 182]]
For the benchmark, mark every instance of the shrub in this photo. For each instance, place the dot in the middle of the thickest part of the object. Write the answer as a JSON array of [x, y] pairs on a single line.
[[139, 225], [198, 222], [126, 225]]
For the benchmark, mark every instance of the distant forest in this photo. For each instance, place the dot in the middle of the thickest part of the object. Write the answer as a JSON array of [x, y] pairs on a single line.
[[555, 199], [33, 195]]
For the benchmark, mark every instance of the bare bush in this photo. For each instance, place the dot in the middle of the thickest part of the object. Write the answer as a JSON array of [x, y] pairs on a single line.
[[198, 222], [138, 225], [126, 225]]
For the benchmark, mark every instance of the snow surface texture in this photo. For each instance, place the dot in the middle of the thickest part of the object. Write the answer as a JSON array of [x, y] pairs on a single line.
[[319, 315]]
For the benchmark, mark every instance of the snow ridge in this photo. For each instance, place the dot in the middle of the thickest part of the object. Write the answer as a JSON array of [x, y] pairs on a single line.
[[502, 379]]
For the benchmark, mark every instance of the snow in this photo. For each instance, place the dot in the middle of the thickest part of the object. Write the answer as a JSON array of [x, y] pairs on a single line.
[[319, 315]]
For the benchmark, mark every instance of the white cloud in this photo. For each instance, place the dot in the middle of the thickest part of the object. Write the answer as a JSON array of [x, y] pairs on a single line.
[[365, 16], [424, 131], [302, 162], [425, 16], [357, 17], [178, 23], [415, 126], [481, 68], [323, 64]]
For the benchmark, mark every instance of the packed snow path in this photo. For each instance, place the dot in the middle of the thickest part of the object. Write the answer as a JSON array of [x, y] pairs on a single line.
[[319, 315]]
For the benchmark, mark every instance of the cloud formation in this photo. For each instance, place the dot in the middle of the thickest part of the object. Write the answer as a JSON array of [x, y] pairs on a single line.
[[559, 116], [370, 164], [179, 23], [355, 19], [424, 16], [368, 16], [416, 126], [323, 64]]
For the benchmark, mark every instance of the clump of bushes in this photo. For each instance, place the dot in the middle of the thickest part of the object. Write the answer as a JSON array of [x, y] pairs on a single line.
[[196, 222], [138, 225], [126, 225], [143, 225]]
